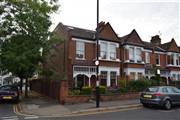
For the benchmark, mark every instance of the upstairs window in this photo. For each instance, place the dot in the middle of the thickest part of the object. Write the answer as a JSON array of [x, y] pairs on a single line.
[[172, 59], [131, 54], [103, 48], [139, 55], [112, 51], [178, 76], [147, 57], [177, 59], [157, 57], [80, 50]]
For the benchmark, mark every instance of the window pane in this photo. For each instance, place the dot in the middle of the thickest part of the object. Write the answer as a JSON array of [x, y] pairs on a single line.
[[103, 48], [103, 78], [157, 59], [113, 78], [147, 57], [112, 51], [131, 53], [132, 76], [138, 54], [79, 49]]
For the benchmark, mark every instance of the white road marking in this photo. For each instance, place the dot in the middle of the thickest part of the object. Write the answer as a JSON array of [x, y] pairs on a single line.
[[31, 117], [10, 118]]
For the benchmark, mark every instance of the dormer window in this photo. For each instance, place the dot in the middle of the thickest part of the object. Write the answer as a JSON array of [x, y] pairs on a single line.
[[80, 47]]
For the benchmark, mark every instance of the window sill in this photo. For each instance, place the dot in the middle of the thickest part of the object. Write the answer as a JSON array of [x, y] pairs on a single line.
[[116, 60], [80, 59]]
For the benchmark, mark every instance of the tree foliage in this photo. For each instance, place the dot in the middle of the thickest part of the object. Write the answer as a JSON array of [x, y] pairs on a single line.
[[24, 31]]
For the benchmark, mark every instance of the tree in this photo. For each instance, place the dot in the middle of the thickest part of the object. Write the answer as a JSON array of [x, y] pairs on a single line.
[[24, 31]]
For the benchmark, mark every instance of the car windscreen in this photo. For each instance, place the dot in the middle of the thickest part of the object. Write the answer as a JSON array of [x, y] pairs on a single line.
[[152, 89], [8, 88]]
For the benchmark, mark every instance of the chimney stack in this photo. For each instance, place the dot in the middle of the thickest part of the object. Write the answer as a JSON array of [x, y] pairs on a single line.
[[156, 40]]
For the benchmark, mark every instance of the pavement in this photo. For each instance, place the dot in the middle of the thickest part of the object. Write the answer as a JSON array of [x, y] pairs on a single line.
[[39, 105]]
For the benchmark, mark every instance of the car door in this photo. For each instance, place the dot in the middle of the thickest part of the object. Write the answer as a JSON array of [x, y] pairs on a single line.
[[172, 95], [177, 94]]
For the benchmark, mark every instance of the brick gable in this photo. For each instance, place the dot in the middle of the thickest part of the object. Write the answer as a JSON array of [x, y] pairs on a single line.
[[173, 46], [107, 32], [132, 38]]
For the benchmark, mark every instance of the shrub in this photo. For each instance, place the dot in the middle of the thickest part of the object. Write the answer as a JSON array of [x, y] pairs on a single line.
[[102, 89], [86, 90], [123, 83], [139, 85], [123, 90], [74, 92]]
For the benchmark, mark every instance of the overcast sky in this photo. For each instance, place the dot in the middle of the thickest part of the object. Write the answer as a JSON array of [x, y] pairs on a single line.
[[148, 17]]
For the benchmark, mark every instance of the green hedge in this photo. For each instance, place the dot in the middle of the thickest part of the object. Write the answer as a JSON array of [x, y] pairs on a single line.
[[86, 90], [102, 89], [138, 85]]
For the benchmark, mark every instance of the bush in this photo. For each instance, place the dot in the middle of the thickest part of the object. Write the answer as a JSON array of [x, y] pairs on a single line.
[[139, 85], [123, 90], [102, 89], [74, 92], [123, 83], [86, 90]]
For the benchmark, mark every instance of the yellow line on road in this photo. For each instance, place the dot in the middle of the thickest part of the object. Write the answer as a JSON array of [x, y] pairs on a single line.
[[19, 112]]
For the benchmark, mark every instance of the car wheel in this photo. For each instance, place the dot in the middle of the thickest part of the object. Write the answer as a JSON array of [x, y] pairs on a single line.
[[167, 105]]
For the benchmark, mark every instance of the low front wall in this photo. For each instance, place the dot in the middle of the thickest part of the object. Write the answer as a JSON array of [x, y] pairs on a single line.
[[77, 99], [126, 96]]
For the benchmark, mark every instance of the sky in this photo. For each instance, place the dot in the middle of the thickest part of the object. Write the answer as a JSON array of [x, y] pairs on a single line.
[[148, 17]]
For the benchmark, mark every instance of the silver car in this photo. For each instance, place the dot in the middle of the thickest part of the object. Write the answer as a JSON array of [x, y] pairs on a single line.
[[164, 96]]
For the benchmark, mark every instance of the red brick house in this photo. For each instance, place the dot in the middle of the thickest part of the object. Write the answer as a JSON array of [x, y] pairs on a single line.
[[127, 57], [79, 55], [144, 58]]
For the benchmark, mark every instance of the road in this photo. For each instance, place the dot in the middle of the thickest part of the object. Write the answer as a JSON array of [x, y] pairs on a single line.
[[7, 113]]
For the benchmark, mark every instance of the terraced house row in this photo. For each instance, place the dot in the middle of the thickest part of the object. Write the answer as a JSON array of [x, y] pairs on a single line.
[[126, 57]]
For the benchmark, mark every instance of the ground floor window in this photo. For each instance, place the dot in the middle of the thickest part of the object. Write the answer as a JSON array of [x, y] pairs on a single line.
[[140, 75], [113, 76], [103, 78], [132, 75]]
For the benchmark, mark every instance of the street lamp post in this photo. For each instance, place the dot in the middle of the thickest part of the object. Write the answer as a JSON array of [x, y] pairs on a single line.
[[97, 58]]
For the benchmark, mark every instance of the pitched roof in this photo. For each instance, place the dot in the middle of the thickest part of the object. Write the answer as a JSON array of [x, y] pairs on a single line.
[[170, 46], [148, 45], [132, 38], [80, 33]]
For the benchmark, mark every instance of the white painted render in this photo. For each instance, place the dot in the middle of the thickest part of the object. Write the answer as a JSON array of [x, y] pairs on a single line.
[[135, 70]]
